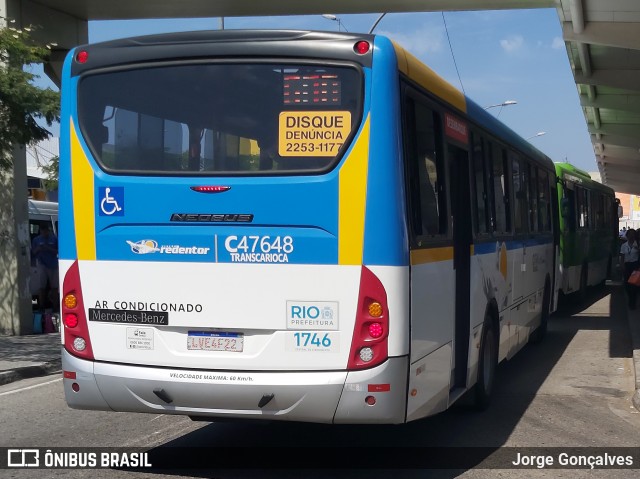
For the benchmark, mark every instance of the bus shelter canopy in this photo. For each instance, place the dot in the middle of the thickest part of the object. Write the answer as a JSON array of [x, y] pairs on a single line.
[[602, 39]]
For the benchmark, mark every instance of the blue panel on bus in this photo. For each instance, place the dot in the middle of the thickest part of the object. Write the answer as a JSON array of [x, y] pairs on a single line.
[[386, 240], [66, 222], [223, 244], [163, 215]]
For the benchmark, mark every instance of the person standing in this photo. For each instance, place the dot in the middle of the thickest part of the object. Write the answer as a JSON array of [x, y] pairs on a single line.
[[44, 248], [629, 259]]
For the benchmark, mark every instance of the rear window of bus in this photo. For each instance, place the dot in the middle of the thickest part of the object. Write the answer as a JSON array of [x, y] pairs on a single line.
[[220, 119]]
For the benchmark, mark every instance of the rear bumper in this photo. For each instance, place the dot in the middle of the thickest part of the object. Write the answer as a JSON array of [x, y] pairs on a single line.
[[324, 397]]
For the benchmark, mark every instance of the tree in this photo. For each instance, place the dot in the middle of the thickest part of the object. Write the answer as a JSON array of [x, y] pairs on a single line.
[[22, 103], [51, 170]]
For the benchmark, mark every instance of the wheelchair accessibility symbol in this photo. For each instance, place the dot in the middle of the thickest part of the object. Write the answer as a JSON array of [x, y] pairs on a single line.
[[111, 201]]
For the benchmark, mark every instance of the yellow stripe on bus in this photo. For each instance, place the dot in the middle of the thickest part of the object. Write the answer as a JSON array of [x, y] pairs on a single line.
[[431, 255], [83, 200], [434, 255], [352, 200], [427, 78]]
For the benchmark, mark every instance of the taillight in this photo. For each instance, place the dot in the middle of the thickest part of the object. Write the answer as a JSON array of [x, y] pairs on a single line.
[[76, 329], [369, 346], [376, 330], [70, 320]]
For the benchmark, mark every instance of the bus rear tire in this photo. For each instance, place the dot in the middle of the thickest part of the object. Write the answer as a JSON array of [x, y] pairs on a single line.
[[487, 364]]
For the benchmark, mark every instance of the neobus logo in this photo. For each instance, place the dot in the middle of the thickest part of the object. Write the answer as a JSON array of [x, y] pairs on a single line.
[[211, 218]]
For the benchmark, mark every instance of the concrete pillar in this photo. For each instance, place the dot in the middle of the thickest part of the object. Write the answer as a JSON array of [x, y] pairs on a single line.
[[15, 296], [22, 247]]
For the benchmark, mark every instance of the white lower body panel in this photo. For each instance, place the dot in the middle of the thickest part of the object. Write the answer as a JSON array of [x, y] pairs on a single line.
[[317, 396]]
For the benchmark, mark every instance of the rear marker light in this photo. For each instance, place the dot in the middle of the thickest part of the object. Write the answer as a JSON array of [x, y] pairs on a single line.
[[70, 301], [361, 47], [69, 374], [379, 388], [82, 56], [370, 400], [70, 320], [79, 344], [366, 354], [75, 387]]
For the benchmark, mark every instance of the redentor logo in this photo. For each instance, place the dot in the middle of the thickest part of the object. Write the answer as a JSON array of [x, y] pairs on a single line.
[[148, 246], [145, 246]]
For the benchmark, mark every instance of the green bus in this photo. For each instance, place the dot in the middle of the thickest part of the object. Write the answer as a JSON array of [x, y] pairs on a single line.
[[588, 228]]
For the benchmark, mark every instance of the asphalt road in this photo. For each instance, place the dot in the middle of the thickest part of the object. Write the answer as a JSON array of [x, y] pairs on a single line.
[[572, 390]]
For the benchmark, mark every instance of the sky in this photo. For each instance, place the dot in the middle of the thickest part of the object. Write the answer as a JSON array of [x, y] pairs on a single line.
[[501, 55]]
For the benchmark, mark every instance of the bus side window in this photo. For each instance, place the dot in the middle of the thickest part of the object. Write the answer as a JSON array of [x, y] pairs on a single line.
[[544, 206], [424, 158], [600, 215], [583, 208], [520, 204], [598, 210], [481, 205], [533, 197], [500, 190], [570, 218], [428, 197]]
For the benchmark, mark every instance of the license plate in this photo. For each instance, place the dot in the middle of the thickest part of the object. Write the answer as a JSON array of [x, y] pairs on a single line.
[[207, 341]]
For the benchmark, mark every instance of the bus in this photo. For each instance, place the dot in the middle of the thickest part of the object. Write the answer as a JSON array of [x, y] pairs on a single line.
[[41, 213], [588, 229], [291, 225]]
